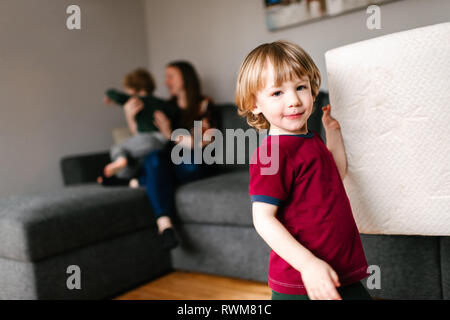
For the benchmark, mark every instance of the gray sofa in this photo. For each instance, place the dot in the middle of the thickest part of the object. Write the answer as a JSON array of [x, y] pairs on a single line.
[[102, 231], [110, 234]]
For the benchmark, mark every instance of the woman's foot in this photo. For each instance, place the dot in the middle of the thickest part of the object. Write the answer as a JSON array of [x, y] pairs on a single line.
[[163, 223], [167, 232], [115, 166], [169, 239]]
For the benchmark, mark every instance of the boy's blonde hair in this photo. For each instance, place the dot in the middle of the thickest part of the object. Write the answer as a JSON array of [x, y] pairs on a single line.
[[288, 60]]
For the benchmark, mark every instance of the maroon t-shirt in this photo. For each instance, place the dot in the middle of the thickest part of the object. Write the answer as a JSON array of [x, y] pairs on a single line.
[[312, 205]]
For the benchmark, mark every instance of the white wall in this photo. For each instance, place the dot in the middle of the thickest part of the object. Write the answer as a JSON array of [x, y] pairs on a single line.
[[216, 35], [52, 81]]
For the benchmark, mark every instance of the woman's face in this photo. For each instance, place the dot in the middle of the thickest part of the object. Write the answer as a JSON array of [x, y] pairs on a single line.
[[174, 80]]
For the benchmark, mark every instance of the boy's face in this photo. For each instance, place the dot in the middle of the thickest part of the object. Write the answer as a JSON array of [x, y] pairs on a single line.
[[287, 107], [130, 91]]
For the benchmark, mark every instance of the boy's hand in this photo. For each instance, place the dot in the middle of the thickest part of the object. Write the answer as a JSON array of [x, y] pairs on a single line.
[[320, 280], [107, 100], [329, 123]]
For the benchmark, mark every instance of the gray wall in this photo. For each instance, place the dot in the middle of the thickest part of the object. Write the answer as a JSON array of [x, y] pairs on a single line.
[[52, 82], [217, 34]]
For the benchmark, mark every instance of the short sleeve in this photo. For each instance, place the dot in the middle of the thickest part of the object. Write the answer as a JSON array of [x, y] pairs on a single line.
[[271, 177]]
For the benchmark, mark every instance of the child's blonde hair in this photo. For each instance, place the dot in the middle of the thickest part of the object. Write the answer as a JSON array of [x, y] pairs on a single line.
[[288, 60]]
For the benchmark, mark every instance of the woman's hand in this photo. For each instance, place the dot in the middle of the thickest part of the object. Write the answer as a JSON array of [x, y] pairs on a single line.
[[207, 135], [163, 124], [320, 280], [329, 123], [132, 107]]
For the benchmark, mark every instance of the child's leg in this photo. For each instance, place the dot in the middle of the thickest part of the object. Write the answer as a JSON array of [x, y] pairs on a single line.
[[115, 166], [118, 156], [116, 152], [139, 146], [135, 150], [136, 147], [130, 171]]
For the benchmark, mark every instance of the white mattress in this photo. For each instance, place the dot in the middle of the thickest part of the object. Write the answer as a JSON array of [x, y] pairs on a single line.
[[391, 96]]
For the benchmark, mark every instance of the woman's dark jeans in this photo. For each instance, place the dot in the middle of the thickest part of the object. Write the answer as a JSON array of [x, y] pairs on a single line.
[[160, 176]]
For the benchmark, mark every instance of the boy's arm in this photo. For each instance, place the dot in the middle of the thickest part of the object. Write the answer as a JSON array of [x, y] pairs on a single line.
[[319, 278], [335, 144], [118, 97], [277, 236]]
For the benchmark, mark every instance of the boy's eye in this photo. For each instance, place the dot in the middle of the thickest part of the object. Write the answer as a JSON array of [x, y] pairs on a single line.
[[276, 93], [301, 88]]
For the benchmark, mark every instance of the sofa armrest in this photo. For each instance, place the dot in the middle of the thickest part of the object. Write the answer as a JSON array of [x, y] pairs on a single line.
[[86, 168]]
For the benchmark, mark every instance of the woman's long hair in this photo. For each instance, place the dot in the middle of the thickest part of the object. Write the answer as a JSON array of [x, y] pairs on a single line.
[[193, 90]]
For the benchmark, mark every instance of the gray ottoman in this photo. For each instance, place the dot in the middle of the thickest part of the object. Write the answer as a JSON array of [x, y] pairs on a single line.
[[108, 234]]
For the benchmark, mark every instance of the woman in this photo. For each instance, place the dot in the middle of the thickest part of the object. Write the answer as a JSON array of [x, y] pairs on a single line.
[[160, 175]]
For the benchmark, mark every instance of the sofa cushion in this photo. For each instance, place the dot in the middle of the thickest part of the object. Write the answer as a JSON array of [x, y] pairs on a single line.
[[39, 226], [409, 266], [230, 251], [445, 266], [84, 168], [221, 199], [228, 118]]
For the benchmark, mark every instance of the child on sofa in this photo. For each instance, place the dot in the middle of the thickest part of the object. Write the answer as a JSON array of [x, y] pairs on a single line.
[[126, 157], [301, 208]]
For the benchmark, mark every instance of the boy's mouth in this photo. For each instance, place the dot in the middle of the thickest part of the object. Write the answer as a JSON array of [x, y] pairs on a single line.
[[295, 115]]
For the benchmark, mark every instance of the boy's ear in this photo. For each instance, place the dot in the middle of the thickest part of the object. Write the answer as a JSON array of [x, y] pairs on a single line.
[[256, 110]]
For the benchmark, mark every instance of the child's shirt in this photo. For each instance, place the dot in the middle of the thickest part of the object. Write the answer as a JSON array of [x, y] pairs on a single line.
[[312, 205], [145, 119]]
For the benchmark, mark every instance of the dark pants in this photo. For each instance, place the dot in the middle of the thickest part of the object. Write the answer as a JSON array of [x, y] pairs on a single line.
[[160, 176], [355, 291]]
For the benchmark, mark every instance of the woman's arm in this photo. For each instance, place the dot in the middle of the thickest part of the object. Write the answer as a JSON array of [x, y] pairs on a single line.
[[132, 125], [164, 126], [319, 278], [162, 122], [131, 108]]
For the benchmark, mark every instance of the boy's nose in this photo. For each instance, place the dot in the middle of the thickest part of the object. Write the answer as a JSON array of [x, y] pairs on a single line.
[[294, 101]]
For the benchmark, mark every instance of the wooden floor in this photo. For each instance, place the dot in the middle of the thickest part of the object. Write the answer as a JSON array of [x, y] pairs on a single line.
[[180, 285]]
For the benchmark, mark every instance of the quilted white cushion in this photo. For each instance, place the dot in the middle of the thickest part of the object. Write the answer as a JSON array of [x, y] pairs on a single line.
[[391, 96]]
